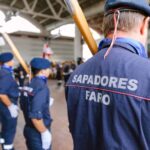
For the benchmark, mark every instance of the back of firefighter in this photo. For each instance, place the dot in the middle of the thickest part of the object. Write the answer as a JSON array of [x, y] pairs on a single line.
[[108, 97]]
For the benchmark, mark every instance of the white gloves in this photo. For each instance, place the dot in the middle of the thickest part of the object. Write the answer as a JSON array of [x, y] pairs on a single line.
[[13, 109], [46, 139], [2, 141], [51, 101]]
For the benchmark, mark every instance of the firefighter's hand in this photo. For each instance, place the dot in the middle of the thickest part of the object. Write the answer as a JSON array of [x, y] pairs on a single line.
[[13, 109], [46, 139]]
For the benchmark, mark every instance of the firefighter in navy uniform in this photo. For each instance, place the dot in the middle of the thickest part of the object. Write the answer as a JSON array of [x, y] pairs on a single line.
[[8, 100], [1, 139], [108, 97], [35, 106]]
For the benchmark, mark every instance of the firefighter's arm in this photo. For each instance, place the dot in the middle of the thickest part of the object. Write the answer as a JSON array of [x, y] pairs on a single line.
[[39, 125], [5, 100], [45, 133], [13, 109]]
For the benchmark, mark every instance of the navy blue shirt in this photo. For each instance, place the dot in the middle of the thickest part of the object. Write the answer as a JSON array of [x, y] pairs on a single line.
[[109, 101], [37, 106], [8, 85]]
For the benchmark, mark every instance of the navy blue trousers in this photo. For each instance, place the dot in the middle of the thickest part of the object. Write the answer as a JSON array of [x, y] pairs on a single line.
[[8, 124], [33, 139]]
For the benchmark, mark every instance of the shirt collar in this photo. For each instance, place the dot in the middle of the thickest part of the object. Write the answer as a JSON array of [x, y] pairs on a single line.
[[8, 68], [42, 78], [127, 43]]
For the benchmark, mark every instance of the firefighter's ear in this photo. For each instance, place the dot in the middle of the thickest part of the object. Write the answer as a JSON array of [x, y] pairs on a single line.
[[144, 26]]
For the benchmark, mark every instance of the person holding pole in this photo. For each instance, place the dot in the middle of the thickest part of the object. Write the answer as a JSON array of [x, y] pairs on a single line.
[[108, 97], [8, 101]]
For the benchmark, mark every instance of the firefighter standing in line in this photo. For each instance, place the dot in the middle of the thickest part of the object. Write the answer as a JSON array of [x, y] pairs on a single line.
[[35, 106], [8, 100]]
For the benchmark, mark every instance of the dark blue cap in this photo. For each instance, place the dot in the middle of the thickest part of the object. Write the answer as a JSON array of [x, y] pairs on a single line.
[[5, 57], [138, 5], [40, 63]]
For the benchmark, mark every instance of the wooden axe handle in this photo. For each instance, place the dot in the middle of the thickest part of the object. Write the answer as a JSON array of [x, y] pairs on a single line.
[[16, 52], [80, 20]]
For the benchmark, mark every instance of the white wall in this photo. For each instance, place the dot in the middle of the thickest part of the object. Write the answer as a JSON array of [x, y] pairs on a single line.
[[32, 47]]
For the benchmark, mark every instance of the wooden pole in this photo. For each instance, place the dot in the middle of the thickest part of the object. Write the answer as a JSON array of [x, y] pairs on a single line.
[[15, 51], [80, 20]]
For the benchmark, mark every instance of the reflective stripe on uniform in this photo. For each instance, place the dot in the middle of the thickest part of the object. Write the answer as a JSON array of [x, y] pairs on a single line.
[[7, 147]]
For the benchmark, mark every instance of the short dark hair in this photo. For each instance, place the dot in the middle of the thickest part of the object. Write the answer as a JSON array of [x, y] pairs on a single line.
[[35, 71], [127, 21]]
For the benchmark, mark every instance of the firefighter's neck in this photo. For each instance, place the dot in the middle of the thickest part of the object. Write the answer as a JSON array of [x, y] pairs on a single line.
[[132, 35]]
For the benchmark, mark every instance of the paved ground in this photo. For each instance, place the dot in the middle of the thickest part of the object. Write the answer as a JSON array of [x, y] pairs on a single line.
[[61, 136]]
